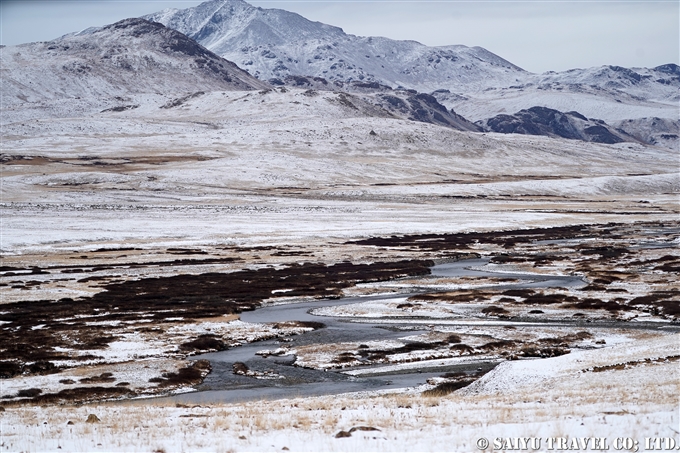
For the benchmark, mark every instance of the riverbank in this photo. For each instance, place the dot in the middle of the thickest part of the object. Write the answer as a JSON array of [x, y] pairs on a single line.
[[626, 391]]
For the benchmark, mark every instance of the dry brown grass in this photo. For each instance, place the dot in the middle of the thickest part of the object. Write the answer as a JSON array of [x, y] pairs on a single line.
[[389, 413]]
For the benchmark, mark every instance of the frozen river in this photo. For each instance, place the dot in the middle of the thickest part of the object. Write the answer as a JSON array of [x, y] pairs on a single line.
[[222, 385]]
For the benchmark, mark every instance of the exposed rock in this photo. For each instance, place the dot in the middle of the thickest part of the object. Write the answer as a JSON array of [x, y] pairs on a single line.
[[553, 123]]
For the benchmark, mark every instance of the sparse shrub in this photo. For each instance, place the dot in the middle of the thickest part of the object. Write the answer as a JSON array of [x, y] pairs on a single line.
[[29, 393], [593, 287], [10, 369], [547, 299], [462, 348], [204, 343], [240, 368], [362, 428], [534, 351], [345, 357], [104, 377], [595, 304], [447, 387], [494, 310], [42, 367], [304, 324], [499, 344], [581, 335], [453, 338]]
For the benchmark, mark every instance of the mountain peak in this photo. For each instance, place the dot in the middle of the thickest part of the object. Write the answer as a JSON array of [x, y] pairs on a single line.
[[171, 40], [133, 22], [274, 44]]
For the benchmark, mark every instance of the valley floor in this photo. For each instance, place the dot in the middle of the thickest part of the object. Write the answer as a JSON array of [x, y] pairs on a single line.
[[132, 242], [626, 389]]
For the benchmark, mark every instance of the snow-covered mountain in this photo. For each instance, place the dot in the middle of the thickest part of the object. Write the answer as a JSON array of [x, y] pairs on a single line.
[[109, 68], [108, 64], [138, 63], [276, 45], [273, 43]]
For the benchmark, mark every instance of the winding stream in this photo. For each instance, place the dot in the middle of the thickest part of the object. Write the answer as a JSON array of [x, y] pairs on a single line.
[[222, 385]]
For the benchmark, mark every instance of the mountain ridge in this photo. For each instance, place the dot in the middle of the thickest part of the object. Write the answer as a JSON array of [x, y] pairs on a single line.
[[273, 43], [105, 65]]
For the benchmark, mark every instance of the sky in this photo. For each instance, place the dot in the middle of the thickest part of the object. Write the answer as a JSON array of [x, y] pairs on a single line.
[[536, 35]]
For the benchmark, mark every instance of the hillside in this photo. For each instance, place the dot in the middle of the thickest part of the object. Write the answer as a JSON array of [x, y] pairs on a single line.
[[107, 65]]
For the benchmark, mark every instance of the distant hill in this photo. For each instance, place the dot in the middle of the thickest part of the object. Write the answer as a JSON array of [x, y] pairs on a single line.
[[550, 122]]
